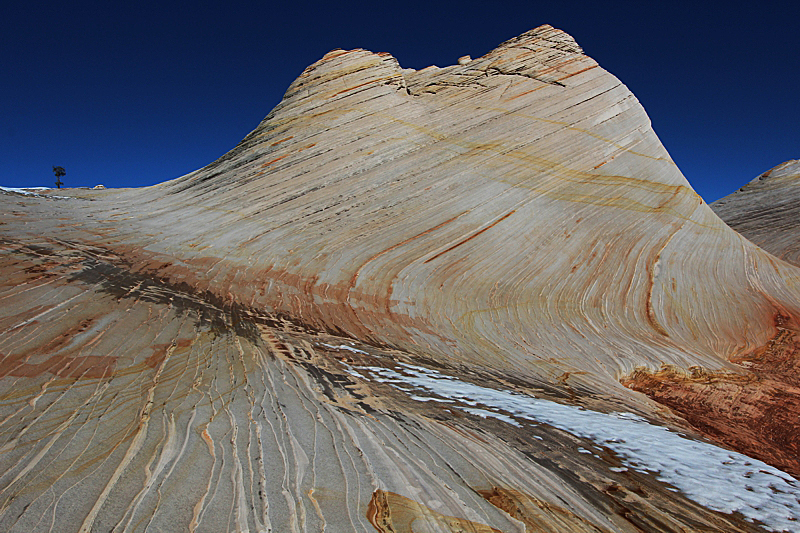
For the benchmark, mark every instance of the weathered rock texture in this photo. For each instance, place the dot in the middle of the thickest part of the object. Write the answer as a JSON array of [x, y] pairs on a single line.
[[405, 301], [767, 211]]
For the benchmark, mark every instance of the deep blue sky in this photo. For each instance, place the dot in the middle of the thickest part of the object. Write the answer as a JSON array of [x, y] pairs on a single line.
[[134, 93]]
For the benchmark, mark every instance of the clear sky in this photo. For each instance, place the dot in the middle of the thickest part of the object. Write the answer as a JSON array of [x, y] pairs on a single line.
[[135, 93]]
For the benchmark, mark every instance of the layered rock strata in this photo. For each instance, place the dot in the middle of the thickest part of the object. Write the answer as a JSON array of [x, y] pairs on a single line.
[[404, 301], [767, 211]]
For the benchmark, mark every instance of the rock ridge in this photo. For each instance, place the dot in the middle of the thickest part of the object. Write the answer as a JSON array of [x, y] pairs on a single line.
[[543, 54], [408, 299], [766, 210]]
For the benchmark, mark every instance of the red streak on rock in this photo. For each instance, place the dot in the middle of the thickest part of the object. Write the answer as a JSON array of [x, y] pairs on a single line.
[[490, 226], [85, 366], [160, 351], [276, 143], [756, 412], [268, 163]]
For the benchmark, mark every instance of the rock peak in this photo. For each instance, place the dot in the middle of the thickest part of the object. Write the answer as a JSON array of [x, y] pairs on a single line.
[[545, 54], [537, 54], [789, 168], [545, 36], [765, 210], [396, 273]]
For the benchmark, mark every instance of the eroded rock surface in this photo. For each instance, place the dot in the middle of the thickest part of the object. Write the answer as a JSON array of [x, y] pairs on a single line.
[[405, 300], [767, 211], [753, 411]]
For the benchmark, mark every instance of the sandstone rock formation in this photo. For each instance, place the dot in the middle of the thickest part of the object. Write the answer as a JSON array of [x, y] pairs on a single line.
[[767, 211], [407, 301]]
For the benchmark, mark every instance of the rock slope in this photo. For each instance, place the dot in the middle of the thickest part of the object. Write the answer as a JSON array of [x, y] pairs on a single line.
[[767, 211], [406, 300]]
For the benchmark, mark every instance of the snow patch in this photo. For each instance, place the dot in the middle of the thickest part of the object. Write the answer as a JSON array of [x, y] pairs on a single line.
[[28, 191], [352, 372], [429, 399], [714, 477], [483, 413], [344, 347]]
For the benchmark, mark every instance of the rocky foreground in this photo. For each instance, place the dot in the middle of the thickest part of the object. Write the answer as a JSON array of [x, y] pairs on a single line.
[[472, 298]]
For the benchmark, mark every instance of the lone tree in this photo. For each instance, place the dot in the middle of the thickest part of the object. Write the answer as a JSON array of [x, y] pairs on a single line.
[[59, 171]]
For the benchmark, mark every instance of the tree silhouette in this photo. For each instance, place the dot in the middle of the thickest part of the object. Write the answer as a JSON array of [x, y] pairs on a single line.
[[59, 171]]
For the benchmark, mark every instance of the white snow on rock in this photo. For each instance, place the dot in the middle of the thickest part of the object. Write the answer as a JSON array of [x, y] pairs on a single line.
[[29, 191], [714, 477], [344, 347]]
